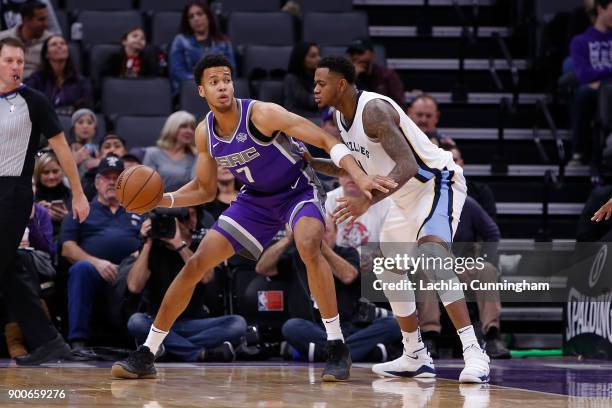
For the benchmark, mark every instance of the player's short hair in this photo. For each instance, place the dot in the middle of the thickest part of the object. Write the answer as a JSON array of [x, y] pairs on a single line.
[[210, 61], [339, 65], [28, 8], [12, 42]]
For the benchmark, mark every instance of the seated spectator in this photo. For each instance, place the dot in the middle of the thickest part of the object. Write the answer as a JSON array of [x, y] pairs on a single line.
[[480, 192], [475, 225], [592, 64], [595, 222], [199, 36], [195, 336], [95, 247], [130, 160], [307, 338], [373, 77], [10, 15], [32, 32], [59, 79], [29, 325], [174, 156], [111, 145], [81, 135], [227, 191], [51, 192], [135, 59], [298, 84], [425, 114]]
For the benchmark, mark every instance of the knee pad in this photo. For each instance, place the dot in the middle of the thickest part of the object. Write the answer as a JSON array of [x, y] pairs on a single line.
[[435, 258], [402, 301]]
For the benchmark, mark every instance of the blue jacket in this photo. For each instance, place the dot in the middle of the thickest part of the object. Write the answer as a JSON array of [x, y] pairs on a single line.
[[186, 52]]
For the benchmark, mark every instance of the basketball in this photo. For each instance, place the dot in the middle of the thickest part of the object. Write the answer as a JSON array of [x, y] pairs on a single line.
[[139, 189]]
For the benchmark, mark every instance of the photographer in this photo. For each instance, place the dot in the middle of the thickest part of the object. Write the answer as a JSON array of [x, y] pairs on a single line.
[[365, 333], [171, 236]]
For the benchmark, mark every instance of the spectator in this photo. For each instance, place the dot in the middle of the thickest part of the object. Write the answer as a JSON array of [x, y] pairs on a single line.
[[135, 59], [59, 79], [95, 248], [82, 133], [32, 32], [592, 64], [373, 77], [195, 336], [227, 191], [597, 203], [298, 84], [425, 114], [111, 145], [475, 225], [51, 192], [308, 338], [480, 192], [130, 160], [11, 16], [199, 36], [174, 156]]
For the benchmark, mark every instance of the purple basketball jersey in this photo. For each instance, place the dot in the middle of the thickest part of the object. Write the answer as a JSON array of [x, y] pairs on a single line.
[[263, 167]]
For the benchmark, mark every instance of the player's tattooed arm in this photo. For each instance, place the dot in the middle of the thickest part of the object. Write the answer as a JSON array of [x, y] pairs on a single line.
[[324, 166], [381, 122]]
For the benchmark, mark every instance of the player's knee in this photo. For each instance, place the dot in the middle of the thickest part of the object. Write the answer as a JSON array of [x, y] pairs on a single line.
[[194, 269], [309, 248]]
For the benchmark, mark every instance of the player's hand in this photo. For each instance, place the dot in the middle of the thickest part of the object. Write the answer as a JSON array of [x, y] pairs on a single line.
[[350, 208], [80, 207], [381, 183], [605, 212], [106, 269]]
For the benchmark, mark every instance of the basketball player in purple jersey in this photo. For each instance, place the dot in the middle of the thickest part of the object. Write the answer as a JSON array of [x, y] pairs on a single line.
[[250, 138]]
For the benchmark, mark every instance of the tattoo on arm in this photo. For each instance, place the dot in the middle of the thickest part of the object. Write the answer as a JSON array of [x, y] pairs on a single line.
[[327, 167], [381, 122]]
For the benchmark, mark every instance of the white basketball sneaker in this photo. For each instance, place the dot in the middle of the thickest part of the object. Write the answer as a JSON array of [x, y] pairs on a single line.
[[419, 365], [476, 365]]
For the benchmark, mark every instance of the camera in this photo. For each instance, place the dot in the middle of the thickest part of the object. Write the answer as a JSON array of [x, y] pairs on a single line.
[[163, 224]]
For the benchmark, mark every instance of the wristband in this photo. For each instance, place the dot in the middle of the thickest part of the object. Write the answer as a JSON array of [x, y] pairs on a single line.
[[171, 199], [338, 152]]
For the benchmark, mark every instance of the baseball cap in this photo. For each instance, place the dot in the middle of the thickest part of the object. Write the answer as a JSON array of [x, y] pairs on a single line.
[[113, 136], [359, 46], [109, 164]]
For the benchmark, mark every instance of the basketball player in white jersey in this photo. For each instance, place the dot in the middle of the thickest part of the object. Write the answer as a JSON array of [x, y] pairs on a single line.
[[427, 205]]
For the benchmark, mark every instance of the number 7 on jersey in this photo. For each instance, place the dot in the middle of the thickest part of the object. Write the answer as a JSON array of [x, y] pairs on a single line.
[[247, 173]]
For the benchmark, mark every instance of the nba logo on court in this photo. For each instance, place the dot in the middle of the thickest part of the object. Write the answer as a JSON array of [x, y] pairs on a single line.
[[270, 301], [241, 137]]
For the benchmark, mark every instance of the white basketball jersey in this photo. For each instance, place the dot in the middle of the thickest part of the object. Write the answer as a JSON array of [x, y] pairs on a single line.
[[374, 159]]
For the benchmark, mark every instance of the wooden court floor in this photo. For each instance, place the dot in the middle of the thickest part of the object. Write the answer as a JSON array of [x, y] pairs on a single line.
[[257, 385]]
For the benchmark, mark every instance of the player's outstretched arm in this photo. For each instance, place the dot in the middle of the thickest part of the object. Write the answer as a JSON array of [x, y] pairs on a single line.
[[269, 118], [203, 188], [604, 213], [381, 122]]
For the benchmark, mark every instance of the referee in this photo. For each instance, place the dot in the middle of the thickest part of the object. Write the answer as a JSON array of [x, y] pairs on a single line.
[[25, 114]]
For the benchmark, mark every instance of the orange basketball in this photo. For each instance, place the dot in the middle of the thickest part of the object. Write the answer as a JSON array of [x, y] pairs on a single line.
[[139, 189]]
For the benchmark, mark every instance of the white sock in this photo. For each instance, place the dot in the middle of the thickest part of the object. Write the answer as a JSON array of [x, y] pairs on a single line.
[[412, 341], [467, 336], [155, 338], [332, 327]]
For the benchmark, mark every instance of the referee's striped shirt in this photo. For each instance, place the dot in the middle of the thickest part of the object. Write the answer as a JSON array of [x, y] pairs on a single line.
[[25, 114]]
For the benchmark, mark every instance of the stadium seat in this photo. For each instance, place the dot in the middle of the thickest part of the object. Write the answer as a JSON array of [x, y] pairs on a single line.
[[191, 101], [232, 6], [271, 91], [136, 97], [265, 59], [242, 88], [107, 27], [335, 28], [140, 131], [75, 55], [325, 6], [73, 5], [165, 26], [380, 53], [97, 57], [62, 20], [261, 29], [163, 5]]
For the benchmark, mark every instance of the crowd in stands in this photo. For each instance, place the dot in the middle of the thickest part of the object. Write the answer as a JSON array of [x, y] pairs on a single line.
[[116, 266]]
